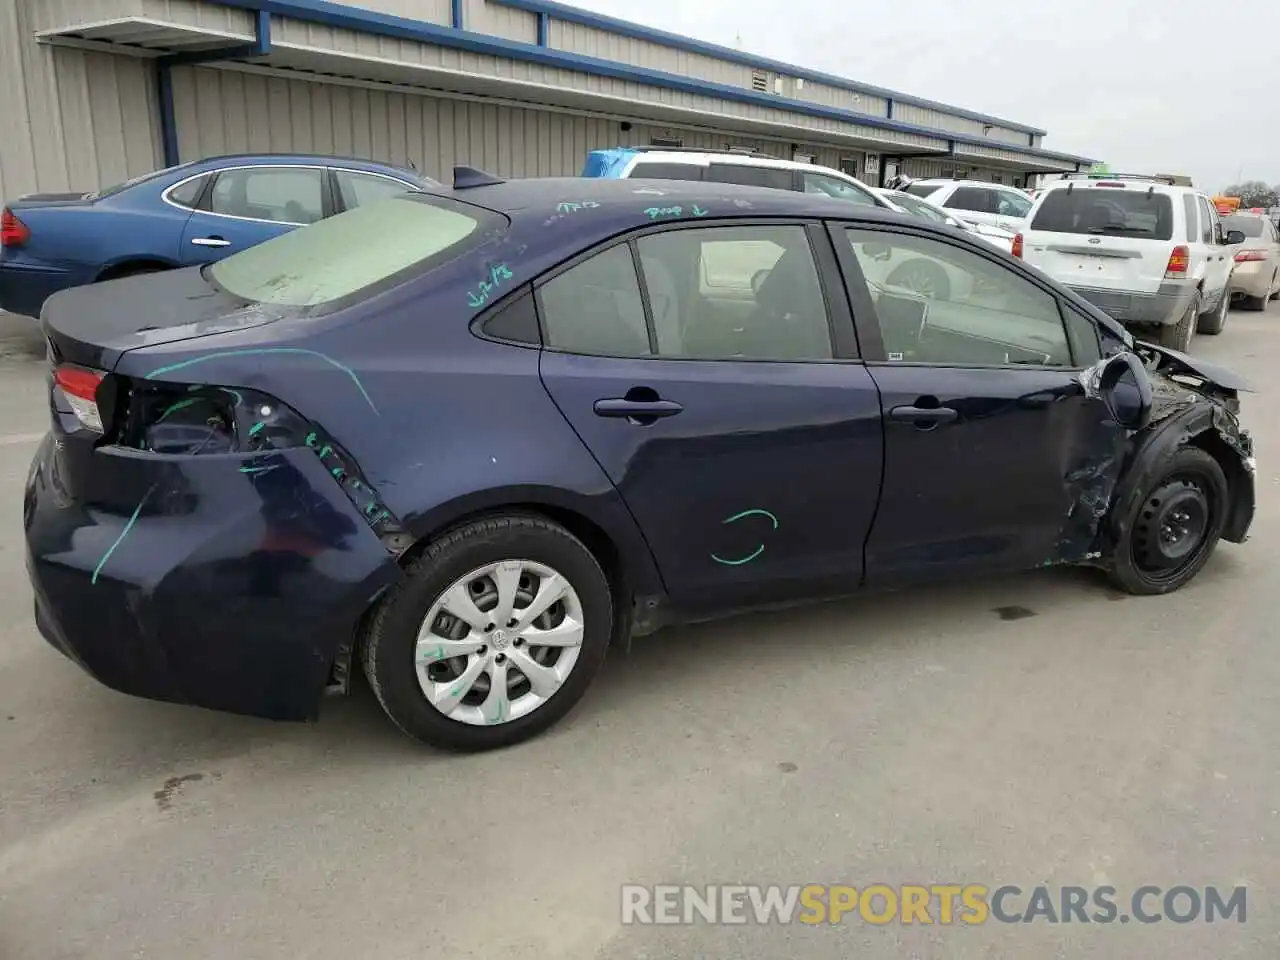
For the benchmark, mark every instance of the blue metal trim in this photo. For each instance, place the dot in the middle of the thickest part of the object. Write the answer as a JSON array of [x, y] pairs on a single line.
[[345, 17], [455, 14], [168, 121], [260, 47], [626, 28], [544, 26]]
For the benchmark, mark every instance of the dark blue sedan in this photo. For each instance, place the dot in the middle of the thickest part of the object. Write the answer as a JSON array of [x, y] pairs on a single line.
[[190, 214], [467, 438]]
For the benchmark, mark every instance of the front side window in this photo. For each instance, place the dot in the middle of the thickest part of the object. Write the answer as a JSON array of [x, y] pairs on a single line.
[[1106, 211], [358, 252], [357, 189], [741, 173], [939, 303], [596, 307], [735, 293], [278, 194], [976, 199], [1012, 204], [840, 189]]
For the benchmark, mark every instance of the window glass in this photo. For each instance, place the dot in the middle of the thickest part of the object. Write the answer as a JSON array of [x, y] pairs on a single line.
[[977, 199], [1013, 204], [357, 189], [1249, 226], [1106, 211], [1084, 337], [736, 293], [773, 177], [596, 308], [922, 189], [667, 171], [280, 194], [840, 189], [186, 194], [1206, 220], [1217, 235], [1193, 216], [371, 246], [916, 206], [938, 303], [135, 181]]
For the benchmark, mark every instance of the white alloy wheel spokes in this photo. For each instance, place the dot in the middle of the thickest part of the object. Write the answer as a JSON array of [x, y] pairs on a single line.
[[499, 642]]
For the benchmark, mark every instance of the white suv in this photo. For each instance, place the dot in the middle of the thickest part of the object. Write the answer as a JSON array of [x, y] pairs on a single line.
[[1149, 253], [993, 204], [748, 169]]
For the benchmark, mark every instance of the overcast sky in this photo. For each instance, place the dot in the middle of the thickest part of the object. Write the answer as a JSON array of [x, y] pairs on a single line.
[[1149, 86]]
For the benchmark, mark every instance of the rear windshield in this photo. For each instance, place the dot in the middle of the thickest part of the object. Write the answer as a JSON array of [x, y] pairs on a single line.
[[143, 178], [913, 205], [358, 252], [1249, 226], [1107, 211]]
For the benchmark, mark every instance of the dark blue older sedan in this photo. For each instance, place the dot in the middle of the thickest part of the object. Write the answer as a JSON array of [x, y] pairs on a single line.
[[468, 437]]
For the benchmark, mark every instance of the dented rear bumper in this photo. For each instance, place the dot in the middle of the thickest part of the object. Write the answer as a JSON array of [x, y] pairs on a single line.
[[220, 588]]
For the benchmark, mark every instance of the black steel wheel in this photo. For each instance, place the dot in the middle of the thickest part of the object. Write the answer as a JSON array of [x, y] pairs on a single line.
[[1174, 527]]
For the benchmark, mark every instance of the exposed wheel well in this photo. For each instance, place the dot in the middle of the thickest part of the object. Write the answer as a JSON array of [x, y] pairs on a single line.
[[1228, 459], [130, 267]]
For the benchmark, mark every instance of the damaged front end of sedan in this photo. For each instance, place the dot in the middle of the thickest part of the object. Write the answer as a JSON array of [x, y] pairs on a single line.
[[1159, 402]]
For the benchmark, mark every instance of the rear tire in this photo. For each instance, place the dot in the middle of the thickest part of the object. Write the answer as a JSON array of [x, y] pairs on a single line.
[[1177, 336], [1189, 494], [1256, 304], [399, 671], [1213, 323]]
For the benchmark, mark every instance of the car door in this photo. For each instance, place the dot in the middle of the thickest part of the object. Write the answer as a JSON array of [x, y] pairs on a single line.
[[994, 458], [1218, 260], [355, 188], [247, 205], [711, 370]]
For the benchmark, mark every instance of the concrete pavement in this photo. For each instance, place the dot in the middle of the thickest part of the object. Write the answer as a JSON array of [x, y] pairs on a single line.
[[922, 737]]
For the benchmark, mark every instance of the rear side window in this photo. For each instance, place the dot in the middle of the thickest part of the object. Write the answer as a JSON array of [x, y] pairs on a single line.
[[1107, 211], [596, 307], [1193, 218], [188, 194], [975, 199], [356, 253], [667, 171], [771, 177]]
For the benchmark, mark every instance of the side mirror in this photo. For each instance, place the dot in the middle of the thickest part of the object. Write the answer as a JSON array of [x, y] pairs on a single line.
[[1121, 383], [1234, 237]]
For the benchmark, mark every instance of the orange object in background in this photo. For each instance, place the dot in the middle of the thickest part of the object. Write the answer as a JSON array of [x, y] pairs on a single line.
[[1226, 205]]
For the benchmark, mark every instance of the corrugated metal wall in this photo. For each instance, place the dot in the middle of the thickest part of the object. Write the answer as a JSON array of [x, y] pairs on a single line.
[[229, 110], [69, 119]]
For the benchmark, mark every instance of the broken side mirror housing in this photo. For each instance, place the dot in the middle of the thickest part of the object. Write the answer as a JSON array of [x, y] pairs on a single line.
[[1123, 385]]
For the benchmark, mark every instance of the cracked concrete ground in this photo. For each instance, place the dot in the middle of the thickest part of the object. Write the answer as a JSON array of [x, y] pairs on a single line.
[[1037, 729]]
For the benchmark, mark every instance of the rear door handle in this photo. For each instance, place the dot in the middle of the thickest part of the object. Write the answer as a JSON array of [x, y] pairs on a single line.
[[211, 242], [925, 418], [641, 410]]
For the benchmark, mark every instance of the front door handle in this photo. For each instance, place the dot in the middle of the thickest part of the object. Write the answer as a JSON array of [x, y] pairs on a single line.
[[641, 411], [924, 418], [211, 242]]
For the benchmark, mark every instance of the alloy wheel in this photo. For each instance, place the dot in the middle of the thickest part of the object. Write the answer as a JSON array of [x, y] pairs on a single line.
[[499, 642]]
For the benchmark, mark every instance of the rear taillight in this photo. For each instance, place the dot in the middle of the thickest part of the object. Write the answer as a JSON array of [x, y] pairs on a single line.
[[80, 386], [1179, 260], [1246, 255], [13, 232], [1016, 248]]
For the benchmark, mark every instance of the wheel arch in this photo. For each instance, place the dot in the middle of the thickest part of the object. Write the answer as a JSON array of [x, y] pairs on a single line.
[[124, 266]]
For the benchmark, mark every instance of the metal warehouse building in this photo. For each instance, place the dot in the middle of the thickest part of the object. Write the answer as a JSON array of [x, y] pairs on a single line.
[[96, 91]]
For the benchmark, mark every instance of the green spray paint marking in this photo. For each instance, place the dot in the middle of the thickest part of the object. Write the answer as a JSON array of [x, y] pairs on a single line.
[[325, 451], [699, 212], [178, 406], [755, 512], [498, 717], [123, 533], [310, 441], [457, 691], [257, 428], [256, 470], [262, 351]]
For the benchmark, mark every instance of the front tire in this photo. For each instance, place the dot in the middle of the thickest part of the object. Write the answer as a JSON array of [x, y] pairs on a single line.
[[444, 668], [1173, 529]]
